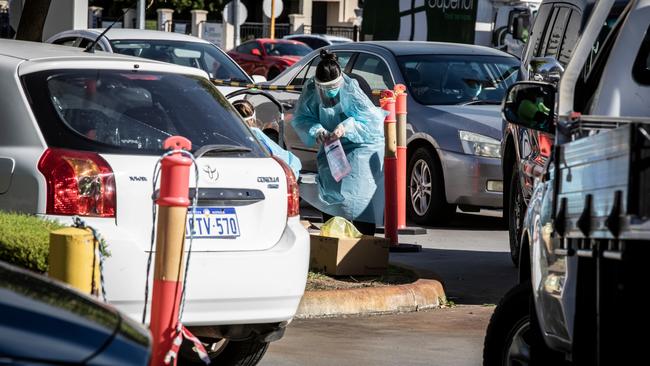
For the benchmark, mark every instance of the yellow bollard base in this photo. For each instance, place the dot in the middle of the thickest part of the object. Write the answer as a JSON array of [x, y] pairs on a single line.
[[72, 259]]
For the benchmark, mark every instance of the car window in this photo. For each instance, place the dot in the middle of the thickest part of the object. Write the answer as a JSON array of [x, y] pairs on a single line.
[[641, 69], [313, 43], [587, 82], [202, 56], [450, 79], [247, 47], [134, 112], [316, 43], [554, 38], [538, 28], [286, 49], [310, 69], [571, 36], [70, 41], [373, 70], [84, 42]]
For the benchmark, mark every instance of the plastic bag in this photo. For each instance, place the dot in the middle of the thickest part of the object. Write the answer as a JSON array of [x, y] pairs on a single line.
[[338, 227], [336, 159]]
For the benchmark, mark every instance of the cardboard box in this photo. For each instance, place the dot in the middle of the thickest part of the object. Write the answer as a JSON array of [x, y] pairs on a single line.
[[366, 256]]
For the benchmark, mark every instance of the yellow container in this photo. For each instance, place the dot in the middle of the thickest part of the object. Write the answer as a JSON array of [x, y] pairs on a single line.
[[72, 259]]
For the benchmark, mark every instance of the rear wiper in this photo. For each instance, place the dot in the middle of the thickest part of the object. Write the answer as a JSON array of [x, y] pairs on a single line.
[[220, 148], [479, 102]]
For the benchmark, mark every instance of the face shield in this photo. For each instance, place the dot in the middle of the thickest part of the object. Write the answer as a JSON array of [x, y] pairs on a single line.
[[329, 91], [251, 121]]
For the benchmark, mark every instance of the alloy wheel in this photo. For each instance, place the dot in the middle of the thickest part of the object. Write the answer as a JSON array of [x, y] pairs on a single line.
[[518, 347], [420, 184]]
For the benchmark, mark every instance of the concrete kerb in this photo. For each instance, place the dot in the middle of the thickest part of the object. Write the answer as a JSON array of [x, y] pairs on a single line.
[[420, 295]]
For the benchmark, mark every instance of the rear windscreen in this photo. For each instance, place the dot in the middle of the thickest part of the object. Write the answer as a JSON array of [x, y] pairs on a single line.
[[132, 111]]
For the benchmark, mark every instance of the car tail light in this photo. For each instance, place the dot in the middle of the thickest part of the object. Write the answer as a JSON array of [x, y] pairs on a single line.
[[78, 183], [293, 196]]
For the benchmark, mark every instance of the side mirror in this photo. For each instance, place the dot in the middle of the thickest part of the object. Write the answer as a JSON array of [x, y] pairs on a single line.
[[258, 79], [515, 28], [546, 69], [256, 52], [531, 105], [518, 29]]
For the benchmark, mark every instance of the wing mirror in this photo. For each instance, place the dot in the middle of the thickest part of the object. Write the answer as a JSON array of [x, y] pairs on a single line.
[[531, 105], [256, 52], [546, 69], [519, 29]]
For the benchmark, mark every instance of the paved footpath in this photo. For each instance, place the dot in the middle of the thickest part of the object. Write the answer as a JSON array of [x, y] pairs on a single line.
[[470, 255]]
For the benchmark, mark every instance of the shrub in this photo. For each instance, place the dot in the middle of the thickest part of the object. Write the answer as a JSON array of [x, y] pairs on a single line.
[[25, 240]]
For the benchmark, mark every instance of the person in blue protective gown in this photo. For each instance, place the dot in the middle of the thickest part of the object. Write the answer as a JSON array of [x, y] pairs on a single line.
[[333, 106], [247, 112]]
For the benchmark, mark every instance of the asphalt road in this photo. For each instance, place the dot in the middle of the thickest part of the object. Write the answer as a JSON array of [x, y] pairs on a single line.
[[470, 255]]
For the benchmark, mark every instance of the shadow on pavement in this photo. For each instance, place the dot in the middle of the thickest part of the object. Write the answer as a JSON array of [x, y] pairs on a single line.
[[472, 221], [469, 277]]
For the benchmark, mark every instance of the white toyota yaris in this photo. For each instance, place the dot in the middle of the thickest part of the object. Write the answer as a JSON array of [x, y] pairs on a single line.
[[80, 134]]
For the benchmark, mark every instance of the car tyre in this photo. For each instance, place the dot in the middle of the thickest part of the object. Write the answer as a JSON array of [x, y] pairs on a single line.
[[516, 213], [507, 340], [247, 352], [513, 336], [425, 193]]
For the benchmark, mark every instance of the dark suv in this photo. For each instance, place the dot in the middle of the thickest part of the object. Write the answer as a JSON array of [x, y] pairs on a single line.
[[585, 241], [524, 152]]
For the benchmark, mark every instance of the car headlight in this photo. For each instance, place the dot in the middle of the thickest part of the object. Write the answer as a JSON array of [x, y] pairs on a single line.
[[476, 144]]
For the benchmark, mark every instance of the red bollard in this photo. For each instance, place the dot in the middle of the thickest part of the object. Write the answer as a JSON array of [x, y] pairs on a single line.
[[387, 102], [167, 284], [400, 112]]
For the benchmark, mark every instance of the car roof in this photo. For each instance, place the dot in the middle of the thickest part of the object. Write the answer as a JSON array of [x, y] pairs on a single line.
[[14, 52], [319, 36], [32, 51], [577, 3], [129, 33], [282, 40], [403, 48]]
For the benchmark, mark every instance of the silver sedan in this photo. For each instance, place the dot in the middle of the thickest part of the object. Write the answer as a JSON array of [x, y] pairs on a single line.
[[454, 121]]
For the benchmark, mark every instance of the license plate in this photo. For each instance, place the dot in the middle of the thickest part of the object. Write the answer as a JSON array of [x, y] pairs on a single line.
[[213, 222]]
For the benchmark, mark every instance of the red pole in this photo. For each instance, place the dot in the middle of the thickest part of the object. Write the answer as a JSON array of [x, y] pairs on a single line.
[[400, 112], [387, 102], [167, 284]]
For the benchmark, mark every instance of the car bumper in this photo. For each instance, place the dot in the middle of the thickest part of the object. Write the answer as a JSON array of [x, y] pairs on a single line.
[[223, 288], [467, 177]]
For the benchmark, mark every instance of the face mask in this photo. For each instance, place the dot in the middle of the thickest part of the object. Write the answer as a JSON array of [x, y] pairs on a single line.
[[331, 93]]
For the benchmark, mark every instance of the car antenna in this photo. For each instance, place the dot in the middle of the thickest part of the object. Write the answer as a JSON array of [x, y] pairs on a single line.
[[91, 47]]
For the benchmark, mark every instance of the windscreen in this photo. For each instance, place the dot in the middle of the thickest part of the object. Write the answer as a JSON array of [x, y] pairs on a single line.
[[286, 49], [193, 54], [458, 79], [133, 111]]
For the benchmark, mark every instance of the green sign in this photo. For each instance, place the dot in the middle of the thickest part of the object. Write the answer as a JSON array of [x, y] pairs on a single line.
[[420, 20]]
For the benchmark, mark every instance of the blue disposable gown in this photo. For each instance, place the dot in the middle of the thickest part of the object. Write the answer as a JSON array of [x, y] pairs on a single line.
[[276, 150], [360, 195]]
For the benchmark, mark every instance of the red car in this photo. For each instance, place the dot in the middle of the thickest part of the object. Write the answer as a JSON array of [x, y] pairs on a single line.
[[268, 57]]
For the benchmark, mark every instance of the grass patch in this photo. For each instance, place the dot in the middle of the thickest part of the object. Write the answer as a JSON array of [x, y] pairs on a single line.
[[25, 240], [395, 275]]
